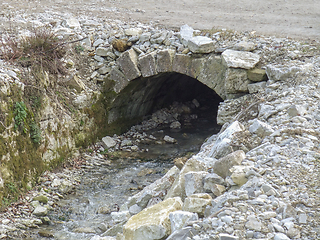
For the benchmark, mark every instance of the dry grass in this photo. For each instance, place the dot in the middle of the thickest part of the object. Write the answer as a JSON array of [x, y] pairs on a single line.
[[42, 50]]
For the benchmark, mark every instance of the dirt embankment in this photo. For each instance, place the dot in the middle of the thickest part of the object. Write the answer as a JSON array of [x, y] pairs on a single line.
[[294, 18]]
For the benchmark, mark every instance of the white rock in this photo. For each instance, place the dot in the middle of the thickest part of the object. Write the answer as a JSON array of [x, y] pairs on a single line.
[[72, 23], [201, 44], [260, 128], [153, 222], [296, 110], [256, 87], [280, 73], [102, 51], [40, 211], [169, 139], [194, 182], [186, 34], [197, 203], [108, 142], [133, 31], [253, 223], [179, 218], [281, 236], [240, 59], [120, 216]]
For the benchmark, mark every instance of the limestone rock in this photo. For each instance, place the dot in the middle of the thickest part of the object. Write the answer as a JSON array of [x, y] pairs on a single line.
[[223, 165], [128, 62], [276, 73], [224, 236], [240, 59], [194, 182], [200, 44], [164, 60], [179, 218], [183, 234], [245, 46], [260, 128], [238, 175], [72, 23], [153, 222], [40, 211], [133, 31], [296, 110], [178, 187], [257, 75], [253, 223], [181, 63], [120, 216], [186, 34], [147, 64], [108, 142], [197, 203], [256, 87], [221, 147], [236, 81], [41, 198], [155, 189], [210, 180], [102, 51], [281, 236], [169, 139], [119, 78], [218, 189], [179, 162]]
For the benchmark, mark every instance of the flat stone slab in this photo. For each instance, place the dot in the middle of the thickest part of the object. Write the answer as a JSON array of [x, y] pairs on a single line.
[[240, 59], [201, 44]]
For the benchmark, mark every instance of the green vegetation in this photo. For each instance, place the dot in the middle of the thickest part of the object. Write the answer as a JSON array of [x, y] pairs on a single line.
[[20, 116]]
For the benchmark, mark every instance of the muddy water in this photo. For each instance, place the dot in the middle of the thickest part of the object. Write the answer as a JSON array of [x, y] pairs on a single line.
[[107, 184]]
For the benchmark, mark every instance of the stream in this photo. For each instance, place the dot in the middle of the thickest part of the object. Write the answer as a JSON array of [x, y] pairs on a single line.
[[107, 184]]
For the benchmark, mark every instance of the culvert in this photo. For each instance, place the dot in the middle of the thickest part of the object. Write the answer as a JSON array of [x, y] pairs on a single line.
[[143, 96]]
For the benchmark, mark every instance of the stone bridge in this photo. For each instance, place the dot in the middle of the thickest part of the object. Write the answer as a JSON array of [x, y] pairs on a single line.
[[148, 81]]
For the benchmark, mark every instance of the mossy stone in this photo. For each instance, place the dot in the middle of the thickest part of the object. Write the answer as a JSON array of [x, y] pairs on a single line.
[[41, 198]]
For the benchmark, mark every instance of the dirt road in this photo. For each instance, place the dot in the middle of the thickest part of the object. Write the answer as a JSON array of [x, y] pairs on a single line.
[[293, 18]]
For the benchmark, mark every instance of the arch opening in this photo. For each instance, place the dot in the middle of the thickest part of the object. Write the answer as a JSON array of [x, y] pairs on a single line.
[[143, 96]]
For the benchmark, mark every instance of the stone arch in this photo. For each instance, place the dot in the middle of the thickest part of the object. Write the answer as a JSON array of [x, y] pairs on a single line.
[[137, 77]]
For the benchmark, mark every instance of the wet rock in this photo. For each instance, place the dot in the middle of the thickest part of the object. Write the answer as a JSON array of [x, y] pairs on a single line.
[[240, 59], [152, 222], [178, 219], [197, 203], [175, 125], [169, 139], [223, 165]]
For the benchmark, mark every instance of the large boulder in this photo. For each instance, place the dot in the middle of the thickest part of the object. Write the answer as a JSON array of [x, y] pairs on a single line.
[[240, 59], [222, 145], [179, 218], [194, 182], [153, 222], [155, 189], [223, 165], [178, 187], [197, 203]]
